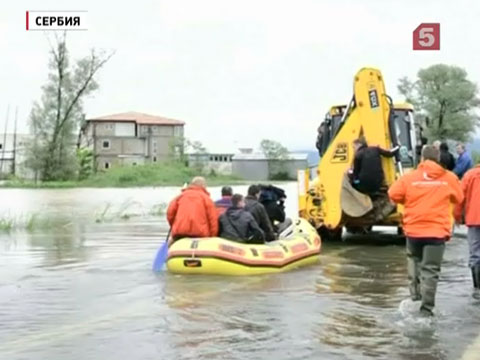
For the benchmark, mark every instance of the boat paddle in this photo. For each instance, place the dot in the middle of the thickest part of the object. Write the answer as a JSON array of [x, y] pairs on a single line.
[[162, 255]]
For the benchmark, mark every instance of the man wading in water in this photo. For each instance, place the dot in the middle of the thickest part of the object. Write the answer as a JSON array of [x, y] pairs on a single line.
[[427, 194], [471, 205]]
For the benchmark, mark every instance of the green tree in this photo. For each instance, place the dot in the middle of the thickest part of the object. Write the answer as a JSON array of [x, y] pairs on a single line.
[[476, 157], [85, 163], [180, 146], [445, 99], [56, 118], [276, 154], [273, 150]]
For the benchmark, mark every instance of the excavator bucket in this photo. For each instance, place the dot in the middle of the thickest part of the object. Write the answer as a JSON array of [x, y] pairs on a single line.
[[354, 203]]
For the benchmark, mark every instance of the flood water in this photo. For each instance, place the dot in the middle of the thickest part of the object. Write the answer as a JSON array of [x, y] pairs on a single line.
[[76, 283]]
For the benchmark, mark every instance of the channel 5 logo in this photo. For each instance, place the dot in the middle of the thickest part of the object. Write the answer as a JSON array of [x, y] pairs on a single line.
[[427, 37]]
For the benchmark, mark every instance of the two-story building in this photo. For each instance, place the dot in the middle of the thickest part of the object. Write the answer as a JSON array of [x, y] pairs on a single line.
[[130, 138]]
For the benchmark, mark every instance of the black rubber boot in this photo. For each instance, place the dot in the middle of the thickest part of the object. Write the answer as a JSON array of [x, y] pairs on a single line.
[[476, 281], [474, 277]]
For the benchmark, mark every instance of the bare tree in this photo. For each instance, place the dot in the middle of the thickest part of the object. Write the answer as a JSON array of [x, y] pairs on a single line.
[[57, 117]]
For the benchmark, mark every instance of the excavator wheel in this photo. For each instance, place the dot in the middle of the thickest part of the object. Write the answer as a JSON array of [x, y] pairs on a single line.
[[330, 235]]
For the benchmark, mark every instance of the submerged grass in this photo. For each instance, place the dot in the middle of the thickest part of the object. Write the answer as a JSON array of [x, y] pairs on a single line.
[[159, 210], [32, 222], [161, 174], [54, 222]]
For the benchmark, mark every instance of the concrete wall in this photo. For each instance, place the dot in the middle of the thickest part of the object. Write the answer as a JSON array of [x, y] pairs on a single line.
[[220, 163], [112, 161], [160, 130], [290, 167], [115, 161], [119, 146], [263, 169], [104, 129], [125, 129], [250, 169]]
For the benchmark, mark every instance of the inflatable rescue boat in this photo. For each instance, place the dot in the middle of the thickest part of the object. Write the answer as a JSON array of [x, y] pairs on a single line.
[[225, 257]]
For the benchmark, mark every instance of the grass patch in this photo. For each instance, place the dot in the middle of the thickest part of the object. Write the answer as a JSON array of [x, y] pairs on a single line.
[[53, 222], [6, 224], [162, 174], [32, 223], [159, 210]]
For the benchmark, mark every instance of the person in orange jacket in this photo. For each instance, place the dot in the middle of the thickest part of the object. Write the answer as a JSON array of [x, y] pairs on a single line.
[[193, 213], [471, 206], [427, 194]]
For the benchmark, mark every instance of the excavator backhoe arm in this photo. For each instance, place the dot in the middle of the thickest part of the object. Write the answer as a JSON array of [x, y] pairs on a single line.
[[370, 113]]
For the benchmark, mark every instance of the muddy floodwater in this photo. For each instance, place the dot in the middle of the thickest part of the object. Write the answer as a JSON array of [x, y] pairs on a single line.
[[76, 283]]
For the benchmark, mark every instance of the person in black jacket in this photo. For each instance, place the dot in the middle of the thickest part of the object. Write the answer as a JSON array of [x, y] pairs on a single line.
[[273, 199], [367, 173], [237, 224], [258, 211], [446, 158]]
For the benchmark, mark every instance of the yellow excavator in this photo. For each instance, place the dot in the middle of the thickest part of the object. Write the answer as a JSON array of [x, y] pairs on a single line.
[[329, 202]]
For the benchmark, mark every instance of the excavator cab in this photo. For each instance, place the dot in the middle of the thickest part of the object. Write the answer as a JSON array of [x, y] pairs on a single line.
[[329, 202], [408, 134], [329, 127]]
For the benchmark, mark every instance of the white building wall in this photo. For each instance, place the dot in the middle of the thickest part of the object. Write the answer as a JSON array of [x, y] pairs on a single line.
[[124, 129]]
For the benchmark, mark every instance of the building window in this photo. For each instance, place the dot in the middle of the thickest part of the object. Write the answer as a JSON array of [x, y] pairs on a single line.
[[106, 144], [154, 159], [106, 165], [1, 146]]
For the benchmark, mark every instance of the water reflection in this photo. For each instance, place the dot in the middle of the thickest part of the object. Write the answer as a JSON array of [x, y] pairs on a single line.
[[60, 249]]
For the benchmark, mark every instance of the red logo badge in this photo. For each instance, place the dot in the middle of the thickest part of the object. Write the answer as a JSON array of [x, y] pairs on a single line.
[[427, 37]]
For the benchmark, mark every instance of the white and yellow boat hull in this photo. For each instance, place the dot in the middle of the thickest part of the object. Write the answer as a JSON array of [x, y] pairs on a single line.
[[217, 256]]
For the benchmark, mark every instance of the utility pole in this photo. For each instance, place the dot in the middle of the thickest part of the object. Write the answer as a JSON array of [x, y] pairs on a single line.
[[14, 156], [4, 140]]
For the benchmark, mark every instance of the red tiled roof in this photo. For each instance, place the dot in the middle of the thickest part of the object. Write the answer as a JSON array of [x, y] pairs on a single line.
[[139, 118]]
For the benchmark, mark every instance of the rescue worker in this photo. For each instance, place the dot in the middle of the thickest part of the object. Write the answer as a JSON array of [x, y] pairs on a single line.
[[427, 194], [273, 199], [446, 158], [367, 173], [464, 161], [237, 224], [258, 211], [193, 213], [226, 201], [471, 206]]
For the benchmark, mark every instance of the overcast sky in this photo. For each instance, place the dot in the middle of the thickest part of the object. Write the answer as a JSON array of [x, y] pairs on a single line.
[[236, 71]]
